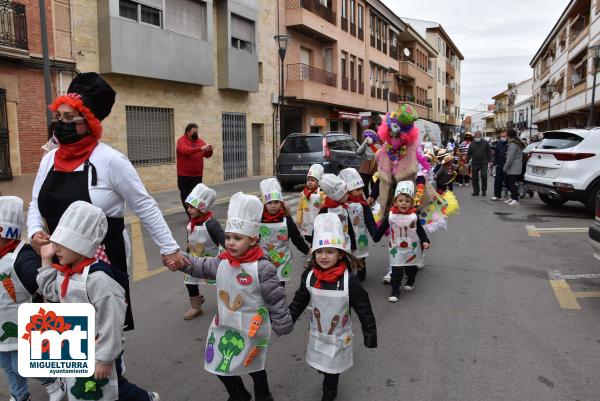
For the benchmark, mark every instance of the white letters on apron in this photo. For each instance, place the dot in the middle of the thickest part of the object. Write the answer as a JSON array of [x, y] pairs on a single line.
[[12, 294], [200, 244], [404, 243]]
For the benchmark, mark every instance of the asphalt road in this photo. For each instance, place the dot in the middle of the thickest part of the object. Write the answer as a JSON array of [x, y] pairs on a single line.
[[483, 322]]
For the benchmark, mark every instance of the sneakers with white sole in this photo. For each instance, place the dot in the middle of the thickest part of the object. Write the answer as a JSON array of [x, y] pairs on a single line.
[[153, 396], [513, 203], [495, 199], [387, 278], [507, 201], [393, 298], [408, 287], [57, 390]]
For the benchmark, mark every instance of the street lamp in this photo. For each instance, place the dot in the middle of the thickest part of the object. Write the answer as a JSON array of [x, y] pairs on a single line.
[[595, 51], [530, 120], [550, 89], [386, 86], [282, 44]]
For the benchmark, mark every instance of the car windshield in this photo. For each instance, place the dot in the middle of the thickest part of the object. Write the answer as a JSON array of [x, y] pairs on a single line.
[[302, 144], [559, 140]]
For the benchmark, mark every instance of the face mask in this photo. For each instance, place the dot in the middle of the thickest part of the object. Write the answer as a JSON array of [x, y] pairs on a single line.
[[66, 133], [194, 137], [477, 139], [503, 139]]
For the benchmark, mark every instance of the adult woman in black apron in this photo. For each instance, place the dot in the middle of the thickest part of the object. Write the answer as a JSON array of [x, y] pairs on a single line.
[[82, 168]]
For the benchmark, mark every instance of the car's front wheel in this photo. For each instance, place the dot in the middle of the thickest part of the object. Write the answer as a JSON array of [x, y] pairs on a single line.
[[590, 200], [552, 201]]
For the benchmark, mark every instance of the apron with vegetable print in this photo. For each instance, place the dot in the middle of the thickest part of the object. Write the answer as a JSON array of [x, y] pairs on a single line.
[[12, 294], [343, 214], [274, 239], [404, 243], [200, 244], [97, 390], [330, 337], [238, 337], [357, 217], [311, 209]]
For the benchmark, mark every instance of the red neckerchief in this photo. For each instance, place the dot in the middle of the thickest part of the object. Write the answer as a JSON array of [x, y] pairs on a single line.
[[307, 192], [329, 203], [9, 247], [330, 275], [197, 221], [273, 218], [395, 210], [68, 157], [252, 255], [357, 199], [68, 271]]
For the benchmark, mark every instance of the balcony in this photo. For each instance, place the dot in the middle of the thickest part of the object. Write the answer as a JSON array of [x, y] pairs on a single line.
[[394, 52], [373, 91], [361, 88], [345, 83], [450, 94], [13, 30], [409, 71], [352, 29], [304, 72], [450, 68], [418, 104], [394, 97], [361, 34], [372, 41], [344, 24], [575, 88], [312, 18], [353, 85]]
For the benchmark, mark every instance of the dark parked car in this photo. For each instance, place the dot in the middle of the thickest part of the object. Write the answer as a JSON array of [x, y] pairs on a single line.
[[595, 231], [334, 150]]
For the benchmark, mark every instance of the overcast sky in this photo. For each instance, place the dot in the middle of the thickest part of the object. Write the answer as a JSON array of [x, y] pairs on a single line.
[[497, 39]]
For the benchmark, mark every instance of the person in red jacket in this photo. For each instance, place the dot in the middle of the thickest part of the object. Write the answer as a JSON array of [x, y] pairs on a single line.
[[191, 152]]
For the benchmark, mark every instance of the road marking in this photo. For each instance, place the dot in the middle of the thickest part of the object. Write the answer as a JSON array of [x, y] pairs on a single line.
[[534, 231], [140, 260], [564, 295], [587, 294]]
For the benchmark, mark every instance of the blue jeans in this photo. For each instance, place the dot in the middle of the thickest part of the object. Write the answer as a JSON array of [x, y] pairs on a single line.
[[9, 361]]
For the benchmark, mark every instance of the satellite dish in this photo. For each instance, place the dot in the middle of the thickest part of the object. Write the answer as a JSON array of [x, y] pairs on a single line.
[[406, 52]]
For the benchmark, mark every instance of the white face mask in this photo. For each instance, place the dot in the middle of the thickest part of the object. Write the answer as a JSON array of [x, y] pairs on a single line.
[[503, 139], [477, 139]]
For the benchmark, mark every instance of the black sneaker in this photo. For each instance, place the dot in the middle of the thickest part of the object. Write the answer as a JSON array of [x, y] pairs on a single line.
[[474, 194]]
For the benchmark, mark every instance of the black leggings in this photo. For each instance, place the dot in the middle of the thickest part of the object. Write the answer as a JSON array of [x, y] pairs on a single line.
[[237, 391], [330, 381], [193, 290], [398, 272]]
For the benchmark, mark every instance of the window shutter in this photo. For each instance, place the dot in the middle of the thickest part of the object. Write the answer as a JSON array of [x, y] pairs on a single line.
[[242, 28], [158, 4], [187, 17]]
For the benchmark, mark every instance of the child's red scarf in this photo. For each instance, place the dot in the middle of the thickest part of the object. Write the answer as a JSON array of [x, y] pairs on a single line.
[[330, 275], [68, 271], [200, 220], [252, 255], [395, 210], [9, 247], [332, 204]]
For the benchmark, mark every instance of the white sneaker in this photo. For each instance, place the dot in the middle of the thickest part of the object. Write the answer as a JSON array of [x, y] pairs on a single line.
[[494, 198], [513, 203], [153, 396], [387, 278], [393, 298], [507, 201], [408, 287], [460, 185], [57, 390]]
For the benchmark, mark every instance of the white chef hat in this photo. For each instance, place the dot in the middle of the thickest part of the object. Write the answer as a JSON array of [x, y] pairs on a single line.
[[201, 197], [333, 186], [11, 217], [352, 178], [328, 233], [405, 187], [244, 215], [316, 171], [271, 190], [81, 228]]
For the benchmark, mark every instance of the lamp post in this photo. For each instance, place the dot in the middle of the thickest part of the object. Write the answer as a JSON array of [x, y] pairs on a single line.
[[282, 44], [530, 120], [386, 86], [550, 89], [595, 51]]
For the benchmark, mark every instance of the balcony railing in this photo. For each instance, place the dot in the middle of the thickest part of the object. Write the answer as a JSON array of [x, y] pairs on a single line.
[[372, 41], [394, 97], [384, 47], [345, 83], [361, 88], [394, 52], [361, 34], [304, 72], [373, 91], [315, 7], [344, 24], [378, 44], [378, 93], [353, 85], [13, 25], [352, 29]]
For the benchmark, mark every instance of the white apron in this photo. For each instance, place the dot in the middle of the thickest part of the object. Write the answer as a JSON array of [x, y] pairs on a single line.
[[200, 244], [311, 209], [330, 336], [342, 213], [357, 217], [404, 243], [12, 294], [77, 293], [238, 337], [274, 239]]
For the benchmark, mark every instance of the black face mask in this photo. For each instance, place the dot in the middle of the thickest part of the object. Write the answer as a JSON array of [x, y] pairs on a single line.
[[194, 137], [66, 133]]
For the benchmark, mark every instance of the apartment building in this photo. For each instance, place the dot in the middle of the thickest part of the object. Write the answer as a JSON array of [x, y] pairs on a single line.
[[23, 124], [173, 62], [564, 60], [446, 67], [505, 105], [348, 62]]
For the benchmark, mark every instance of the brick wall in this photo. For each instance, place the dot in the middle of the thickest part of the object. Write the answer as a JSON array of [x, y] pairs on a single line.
[[33, 26]]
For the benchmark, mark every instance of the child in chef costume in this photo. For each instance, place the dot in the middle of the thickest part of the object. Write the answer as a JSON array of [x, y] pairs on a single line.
[[329, 288], [336, 196], [204, 238], [311, 199], [239, 336], [407, 238], [81, 278], [361, 217], [19, 266], [277, 228]]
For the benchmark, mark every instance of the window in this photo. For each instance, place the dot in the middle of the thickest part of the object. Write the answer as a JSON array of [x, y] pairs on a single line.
[[344, 9], [150, 15], [242, 33], [128, 9], [302, 144], [260, 72], [150, 135], [336, 142], [372, 25], [439, 44], [439, 75], [429, 65], [352, 5], [352, 68], [140, 12], [360, 17], [360, 70], [187, 17], [343, 65]]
